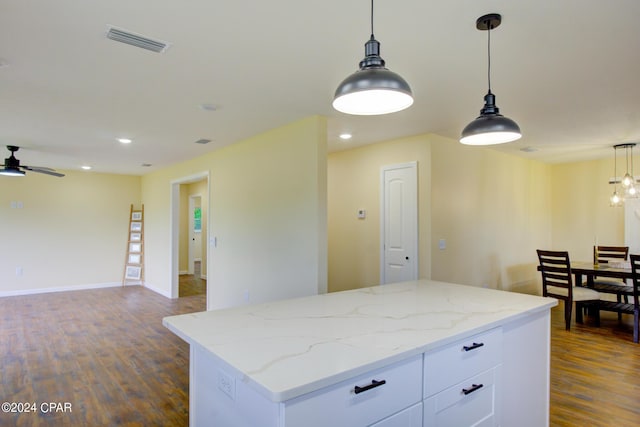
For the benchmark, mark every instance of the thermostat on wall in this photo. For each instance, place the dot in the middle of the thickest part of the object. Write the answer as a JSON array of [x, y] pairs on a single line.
[[362, 214]]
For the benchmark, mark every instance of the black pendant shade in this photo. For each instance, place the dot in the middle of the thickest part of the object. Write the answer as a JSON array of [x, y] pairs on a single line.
[[490, 127], [373, 89]]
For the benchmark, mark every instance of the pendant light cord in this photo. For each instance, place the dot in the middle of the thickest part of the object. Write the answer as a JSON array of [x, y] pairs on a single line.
[[626, 159], [632, 174], [488, 53], [615, 169], [371, 18]]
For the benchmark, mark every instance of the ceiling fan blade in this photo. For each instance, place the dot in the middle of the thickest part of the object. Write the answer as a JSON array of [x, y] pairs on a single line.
[[47, 171]]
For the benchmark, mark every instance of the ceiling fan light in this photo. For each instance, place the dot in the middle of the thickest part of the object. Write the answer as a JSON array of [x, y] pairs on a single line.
[[11, 172]]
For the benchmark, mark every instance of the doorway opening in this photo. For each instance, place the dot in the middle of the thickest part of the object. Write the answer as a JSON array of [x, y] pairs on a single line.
[[189, 231]]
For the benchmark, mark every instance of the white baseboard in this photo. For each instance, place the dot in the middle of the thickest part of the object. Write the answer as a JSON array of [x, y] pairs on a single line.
[[157, 290], [181, 272], [62, 289], [80, 288]]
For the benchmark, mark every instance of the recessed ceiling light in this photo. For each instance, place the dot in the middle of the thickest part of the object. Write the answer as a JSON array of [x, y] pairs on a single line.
[[209, 107], [124, 140], [86, 167], [345, 136]]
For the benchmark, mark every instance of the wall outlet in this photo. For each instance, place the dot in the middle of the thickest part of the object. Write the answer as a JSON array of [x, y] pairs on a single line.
[[227, 384], [246, 295], [442, 244], [19, 271]]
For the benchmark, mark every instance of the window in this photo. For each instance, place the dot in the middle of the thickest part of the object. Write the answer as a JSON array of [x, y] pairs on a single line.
[[197, 220]]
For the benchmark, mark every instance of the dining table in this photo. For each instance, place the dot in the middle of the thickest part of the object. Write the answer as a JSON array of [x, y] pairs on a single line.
[[589, 270]]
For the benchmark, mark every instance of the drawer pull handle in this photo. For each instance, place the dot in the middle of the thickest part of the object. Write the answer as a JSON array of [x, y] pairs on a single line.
[[473, 346], [471, 389], [373, 384]]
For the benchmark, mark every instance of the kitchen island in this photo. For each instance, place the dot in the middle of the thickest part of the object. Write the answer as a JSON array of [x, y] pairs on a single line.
[[406, 354]]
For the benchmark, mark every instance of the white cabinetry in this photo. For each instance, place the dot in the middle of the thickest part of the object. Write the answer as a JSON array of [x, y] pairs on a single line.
[[461, 382], [410, 417], [405, 355], [360, 401]]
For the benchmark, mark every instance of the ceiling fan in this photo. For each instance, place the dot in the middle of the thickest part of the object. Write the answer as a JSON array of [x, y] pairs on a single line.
[[12, 166]]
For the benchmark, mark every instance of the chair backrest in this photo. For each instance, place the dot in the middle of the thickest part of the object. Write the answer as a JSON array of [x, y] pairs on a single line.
[[611, 253], [556, 271], [635, 267]]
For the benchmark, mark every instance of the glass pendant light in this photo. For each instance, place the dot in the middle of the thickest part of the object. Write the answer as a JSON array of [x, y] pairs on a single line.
[[490, 127], [615, 200], [629, 181], [373, 89]]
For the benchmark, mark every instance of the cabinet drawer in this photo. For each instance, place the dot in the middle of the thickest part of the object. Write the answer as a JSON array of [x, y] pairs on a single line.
[[345, 405], [463, 359], [410, 417], [469, 403]]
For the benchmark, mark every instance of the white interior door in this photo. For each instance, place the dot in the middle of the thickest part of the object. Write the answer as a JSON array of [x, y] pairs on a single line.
[[191, 251], [195, 235], [399, 223]]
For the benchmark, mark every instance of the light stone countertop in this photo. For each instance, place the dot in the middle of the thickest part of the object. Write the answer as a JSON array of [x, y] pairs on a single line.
[[287, 348]]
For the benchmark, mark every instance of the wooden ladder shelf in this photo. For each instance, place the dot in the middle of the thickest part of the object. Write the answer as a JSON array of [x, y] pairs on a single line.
[[134, 259]]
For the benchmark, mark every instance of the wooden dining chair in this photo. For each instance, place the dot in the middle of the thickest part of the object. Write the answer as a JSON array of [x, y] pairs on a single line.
[[628, 307], [606, 255], [557, 282]]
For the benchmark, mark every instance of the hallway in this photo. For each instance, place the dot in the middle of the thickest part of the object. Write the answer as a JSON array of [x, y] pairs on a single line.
[[192, 284]]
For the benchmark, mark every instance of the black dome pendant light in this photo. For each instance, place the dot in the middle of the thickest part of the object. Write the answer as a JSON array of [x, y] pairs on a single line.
[[490, 127], [373, 89]]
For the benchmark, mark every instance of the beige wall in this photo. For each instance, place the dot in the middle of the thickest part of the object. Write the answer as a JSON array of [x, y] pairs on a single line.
[[354, 183], [581, 211], [268, 214], [492, 209], [71, 231]]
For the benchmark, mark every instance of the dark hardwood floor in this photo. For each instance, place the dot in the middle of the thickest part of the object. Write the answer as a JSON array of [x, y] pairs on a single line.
[[595, 372], [192, 284], [106, 353]]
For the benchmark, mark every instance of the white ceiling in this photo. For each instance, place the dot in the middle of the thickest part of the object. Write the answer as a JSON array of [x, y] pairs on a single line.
[[567, 71]]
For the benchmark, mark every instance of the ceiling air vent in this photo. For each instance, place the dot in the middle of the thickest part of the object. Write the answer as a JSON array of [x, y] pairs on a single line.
[[203, 141], [137, 40]]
